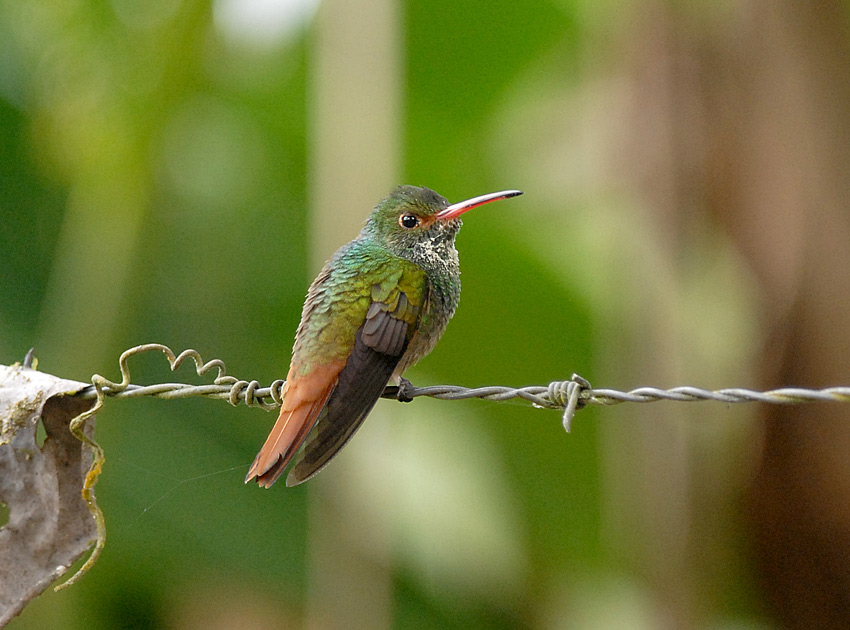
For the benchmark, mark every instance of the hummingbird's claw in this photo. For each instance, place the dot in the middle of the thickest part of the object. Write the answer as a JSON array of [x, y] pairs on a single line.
[[403, 392]]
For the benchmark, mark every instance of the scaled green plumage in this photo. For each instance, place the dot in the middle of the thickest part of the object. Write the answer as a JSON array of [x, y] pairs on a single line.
[[360, 273]]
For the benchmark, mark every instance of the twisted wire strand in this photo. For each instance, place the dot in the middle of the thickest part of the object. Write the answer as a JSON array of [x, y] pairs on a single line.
[[568, 396]]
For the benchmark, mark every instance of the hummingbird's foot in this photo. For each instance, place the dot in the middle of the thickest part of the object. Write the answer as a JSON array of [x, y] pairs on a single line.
[[403, 392]]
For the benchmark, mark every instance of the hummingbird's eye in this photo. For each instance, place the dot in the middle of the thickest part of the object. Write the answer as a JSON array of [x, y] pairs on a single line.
[[408, 221]]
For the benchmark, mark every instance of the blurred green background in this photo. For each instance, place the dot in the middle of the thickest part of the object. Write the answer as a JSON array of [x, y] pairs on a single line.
[[175, 171]]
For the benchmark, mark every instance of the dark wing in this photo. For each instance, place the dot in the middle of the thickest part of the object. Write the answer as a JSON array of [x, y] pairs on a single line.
[[378, 347]]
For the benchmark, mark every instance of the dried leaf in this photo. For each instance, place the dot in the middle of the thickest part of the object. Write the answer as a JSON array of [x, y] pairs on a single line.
[[50, 525]]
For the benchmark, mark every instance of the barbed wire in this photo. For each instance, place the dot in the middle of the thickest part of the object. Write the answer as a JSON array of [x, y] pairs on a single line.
[[568, 396]]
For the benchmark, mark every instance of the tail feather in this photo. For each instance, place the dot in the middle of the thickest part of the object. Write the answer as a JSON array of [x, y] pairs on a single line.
[[304, 399], [359, 386], [272, 461]]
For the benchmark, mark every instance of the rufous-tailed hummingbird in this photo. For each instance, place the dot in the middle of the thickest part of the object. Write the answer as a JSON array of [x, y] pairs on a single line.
[[378, 306]]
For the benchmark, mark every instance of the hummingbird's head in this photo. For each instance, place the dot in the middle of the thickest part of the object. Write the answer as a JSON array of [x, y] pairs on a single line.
[[413, 217]]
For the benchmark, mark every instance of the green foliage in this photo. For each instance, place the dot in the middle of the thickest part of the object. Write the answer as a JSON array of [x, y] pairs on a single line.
[[154, 187]]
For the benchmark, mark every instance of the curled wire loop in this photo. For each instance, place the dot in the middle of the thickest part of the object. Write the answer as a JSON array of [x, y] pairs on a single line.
[[224, 386]]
